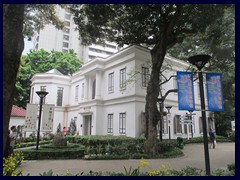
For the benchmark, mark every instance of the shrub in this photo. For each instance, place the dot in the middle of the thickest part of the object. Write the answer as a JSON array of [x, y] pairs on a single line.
[[180, 142], [11, 163], [188, 171], [59, 140], [231, 136]]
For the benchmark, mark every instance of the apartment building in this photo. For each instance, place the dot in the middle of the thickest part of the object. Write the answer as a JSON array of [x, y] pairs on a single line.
[[50, 38]]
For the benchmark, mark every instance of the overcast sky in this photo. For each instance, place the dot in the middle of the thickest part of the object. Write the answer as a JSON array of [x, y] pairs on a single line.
[[28, 45]]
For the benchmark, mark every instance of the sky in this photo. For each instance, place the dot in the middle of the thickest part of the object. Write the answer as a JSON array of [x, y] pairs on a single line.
[[28, 45]]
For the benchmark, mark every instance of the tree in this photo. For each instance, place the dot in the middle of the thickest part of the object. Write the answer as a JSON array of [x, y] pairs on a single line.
[[13, 46], [220, 44], [40, 61], [157, 26], [18, 21]]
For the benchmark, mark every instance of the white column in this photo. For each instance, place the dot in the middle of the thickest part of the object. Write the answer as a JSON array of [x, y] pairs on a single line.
[[86, 86], [98, 85], [90, 88]]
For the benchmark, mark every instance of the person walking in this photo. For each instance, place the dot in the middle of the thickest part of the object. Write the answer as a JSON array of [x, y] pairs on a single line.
[[212, 138], [13, 137]]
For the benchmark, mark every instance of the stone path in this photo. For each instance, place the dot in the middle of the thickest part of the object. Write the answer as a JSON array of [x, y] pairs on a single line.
[[220, 157]]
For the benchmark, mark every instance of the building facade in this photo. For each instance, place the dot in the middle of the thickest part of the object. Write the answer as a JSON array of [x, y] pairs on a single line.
[[107, 96], [50, 38]]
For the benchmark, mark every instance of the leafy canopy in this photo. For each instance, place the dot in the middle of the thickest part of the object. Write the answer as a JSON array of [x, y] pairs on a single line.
[[40, 61]]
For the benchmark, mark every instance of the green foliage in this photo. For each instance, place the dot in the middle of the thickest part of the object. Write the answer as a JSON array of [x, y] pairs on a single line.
[[49, 173], [119, 147], [220, 44], [156, 26], [59, 140], [11, 163], [180, 142], [188, 171], [231, 167], [222, 172], [73, 151], [38, 15], [40, 61], [231, 136]]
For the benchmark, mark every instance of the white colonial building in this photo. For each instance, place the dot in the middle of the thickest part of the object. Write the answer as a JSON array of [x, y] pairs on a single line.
[[107, 96]]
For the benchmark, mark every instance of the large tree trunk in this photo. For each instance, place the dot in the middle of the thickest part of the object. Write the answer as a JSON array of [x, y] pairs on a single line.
[[13, 45], [151, 109]]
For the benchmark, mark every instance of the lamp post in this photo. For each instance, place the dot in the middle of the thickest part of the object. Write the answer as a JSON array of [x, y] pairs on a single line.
[[199, 61], [169, 129], [41, 94], [190, 117], [161, 105]]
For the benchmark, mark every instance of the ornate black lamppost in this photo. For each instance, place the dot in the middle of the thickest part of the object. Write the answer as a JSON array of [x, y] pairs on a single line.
[[41, 94], [169, 128], [199, 61]]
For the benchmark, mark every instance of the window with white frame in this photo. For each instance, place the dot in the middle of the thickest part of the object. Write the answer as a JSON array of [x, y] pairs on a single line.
[[65, 37], [110, 123], [123, 78], [122, 123], [65, 44], [111, 82], [76, 92], [67, 23], [59, 96], [66, 30], [145, 76], [165, 125], [200, 125], [43, 88], [177, 125]]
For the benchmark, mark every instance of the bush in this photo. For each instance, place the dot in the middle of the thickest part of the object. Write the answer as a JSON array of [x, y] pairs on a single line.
[[180, 142], [59, 140], [231, 167], [188, 171], [72, 151], [231, 136], [11, 163]]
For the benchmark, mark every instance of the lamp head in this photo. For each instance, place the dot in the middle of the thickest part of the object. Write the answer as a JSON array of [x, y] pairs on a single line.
[[168, 108], [199, 60], [41, 94]]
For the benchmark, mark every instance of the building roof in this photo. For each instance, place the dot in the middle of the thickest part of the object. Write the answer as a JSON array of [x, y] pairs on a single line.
[[18, 112], [54, 71]]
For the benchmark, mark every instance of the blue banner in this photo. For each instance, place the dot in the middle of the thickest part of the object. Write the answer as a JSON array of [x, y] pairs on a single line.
[[214, 91], [185, 91]]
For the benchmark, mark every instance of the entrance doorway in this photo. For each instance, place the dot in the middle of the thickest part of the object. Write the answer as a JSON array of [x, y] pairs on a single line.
[[87, 125]]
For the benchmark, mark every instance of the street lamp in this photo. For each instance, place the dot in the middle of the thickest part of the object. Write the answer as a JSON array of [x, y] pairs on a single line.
[[169, 129], [191, 119], [41, 94], [199, 61], [161, 105]]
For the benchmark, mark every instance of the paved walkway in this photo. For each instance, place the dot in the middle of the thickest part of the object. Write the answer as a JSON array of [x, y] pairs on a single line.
[[220, 157]]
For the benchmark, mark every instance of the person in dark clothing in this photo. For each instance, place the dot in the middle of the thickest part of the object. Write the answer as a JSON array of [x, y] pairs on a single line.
[[212, 138]]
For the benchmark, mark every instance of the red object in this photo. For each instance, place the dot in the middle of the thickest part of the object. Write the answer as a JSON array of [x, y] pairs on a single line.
[[18, 112], [64, 131]]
